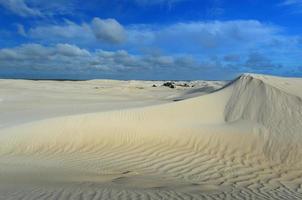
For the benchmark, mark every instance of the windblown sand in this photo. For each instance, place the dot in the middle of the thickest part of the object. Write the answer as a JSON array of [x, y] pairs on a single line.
[[128, 140]]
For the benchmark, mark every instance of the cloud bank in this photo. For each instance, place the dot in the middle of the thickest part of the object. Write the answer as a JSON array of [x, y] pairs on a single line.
[[105, 45], [66, 57]]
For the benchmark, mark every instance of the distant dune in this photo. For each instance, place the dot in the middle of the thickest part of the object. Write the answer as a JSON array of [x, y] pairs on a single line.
[[242, 141]]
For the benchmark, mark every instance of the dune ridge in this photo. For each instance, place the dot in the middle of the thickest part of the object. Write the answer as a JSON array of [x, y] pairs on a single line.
[[277, 109], [241, 142]]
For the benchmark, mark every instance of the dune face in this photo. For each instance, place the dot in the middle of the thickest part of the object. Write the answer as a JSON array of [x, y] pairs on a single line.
[[240, 142], [277, 106]]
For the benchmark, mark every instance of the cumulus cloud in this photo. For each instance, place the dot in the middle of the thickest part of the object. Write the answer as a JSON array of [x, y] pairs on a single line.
[[70, 50], [192, 37], [65, 58], [122, 60], [33, 57], [65, 32], [20, 8], [230, 41], [212, 45], [39, 52], [25, 52], [108, 30]]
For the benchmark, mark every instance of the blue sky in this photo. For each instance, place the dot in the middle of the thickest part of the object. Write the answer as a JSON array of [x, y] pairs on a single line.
[[144, 39]]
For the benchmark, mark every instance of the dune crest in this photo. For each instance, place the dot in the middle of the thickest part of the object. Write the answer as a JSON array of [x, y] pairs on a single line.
[[260, 99], [240, 142]]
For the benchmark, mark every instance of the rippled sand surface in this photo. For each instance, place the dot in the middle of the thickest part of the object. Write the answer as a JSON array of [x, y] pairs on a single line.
[[241, 141]]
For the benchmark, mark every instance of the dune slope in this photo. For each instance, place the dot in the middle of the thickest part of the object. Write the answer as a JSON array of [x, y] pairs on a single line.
[[276, 104], [241, 142]]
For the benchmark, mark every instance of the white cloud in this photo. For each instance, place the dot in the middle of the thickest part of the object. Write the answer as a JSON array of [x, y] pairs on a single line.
[[20, 8], [30, 57], [108, 30], [70, 50], [36, 52], [191, 37], [213, 45], [6, 54], [67, 58], [64, 32]]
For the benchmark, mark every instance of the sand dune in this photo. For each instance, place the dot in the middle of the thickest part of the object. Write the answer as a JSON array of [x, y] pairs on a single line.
[[24, 101], [241, 142]]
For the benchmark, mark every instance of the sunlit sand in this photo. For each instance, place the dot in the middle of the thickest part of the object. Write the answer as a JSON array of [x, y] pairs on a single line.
[[129, 140]]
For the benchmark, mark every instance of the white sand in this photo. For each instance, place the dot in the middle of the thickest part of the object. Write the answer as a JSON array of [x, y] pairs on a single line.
[[241, 142], [24, 101]]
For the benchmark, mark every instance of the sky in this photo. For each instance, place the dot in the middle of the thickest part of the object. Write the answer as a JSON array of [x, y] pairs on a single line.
[[149, 39]]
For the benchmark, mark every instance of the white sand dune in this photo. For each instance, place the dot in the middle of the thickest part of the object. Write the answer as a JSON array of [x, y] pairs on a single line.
[[241, 142], [25, 100]]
